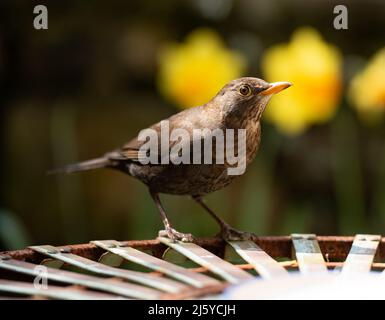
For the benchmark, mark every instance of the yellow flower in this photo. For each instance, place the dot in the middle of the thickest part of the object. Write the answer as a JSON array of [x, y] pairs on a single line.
[[191, 73], [367, 89], [314, 68]]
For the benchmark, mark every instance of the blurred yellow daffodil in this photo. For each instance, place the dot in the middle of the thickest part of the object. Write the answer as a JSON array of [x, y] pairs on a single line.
[[367, 89], [314, 68], [191, 73]]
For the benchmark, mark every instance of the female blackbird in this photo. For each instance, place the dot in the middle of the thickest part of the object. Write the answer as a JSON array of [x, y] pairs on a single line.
[[238, 105]]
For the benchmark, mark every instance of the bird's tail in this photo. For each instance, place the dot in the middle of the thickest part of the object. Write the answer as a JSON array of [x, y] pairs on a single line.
[[83, 166]]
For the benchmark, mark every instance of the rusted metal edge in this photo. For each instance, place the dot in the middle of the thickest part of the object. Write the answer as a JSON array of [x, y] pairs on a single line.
[[335, 248]]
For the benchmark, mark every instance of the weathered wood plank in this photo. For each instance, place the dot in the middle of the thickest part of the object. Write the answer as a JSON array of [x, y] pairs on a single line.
[[53, 292], [135, 290], [308, 253], [182, 274], [205, 258], [265, 265], [361, 254]]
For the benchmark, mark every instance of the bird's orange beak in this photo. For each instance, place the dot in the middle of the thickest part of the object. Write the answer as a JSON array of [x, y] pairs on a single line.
[[276, 87]]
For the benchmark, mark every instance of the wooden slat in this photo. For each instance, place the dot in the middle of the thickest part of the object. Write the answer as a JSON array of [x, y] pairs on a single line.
[[265, 265], [182, 274], [53, 292], [206, 259], [137, 291], [361, 254], [109, 285], [308, 253]]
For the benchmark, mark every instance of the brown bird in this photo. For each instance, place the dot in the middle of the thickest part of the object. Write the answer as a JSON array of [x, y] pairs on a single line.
[[238, 105]]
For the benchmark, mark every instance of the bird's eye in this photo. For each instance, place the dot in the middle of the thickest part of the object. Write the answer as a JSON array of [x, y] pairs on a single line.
[[245, 90]]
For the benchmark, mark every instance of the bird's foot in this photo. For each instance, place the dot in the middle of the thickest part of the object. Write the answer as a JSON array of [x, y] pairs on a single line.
[[230, 234], [176, 235]]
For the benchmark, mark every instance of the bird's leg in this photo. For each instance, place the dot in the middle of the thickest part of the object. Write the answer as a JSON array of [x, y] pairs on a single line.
[[227, 232], [168, 230]]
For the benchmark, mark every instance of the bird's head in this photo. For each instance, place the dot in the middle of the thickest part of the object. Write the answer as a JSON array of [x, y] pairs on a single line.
[[245, 94]]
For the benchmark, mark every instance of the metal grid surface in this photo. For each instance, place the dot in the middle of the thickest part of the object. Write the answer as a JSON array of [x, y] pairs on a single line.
[[161, 269]]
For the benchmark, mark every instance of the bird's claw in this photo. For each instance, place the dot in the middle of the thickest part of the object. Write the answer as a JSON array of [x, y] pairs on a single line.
[[174, 235], [230, 234]]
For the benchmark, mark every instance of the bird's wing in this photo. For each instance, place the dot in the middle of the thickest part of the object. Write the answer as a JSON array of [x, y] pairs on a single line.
[[131, 150], [188, 120]]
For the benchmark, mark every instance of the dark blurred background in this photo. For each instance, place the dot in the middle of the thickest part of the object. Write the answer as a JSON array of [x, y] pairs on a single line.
[[89, 83]]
